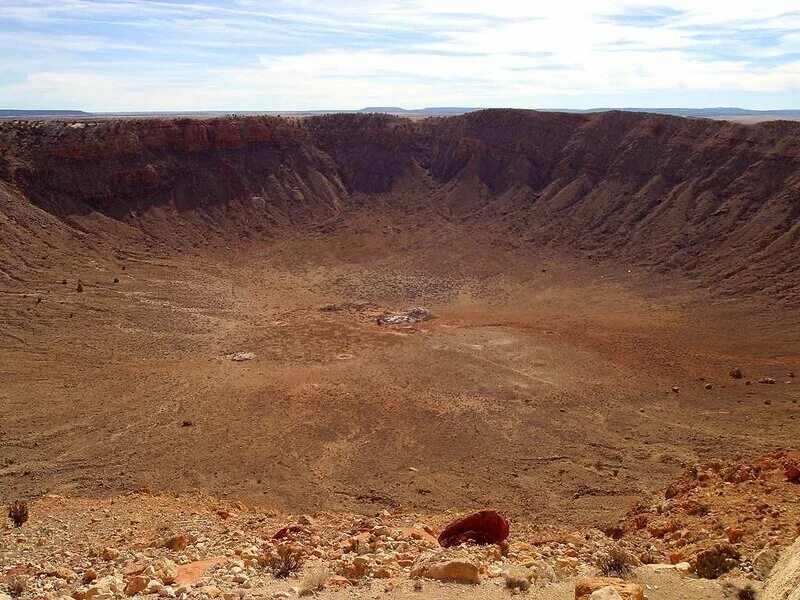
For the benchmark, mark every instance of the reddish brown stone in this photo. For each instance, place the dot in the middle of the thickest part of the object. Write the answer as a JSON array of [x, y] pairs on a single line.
[[289, 530], [192, 573], [484, 527]]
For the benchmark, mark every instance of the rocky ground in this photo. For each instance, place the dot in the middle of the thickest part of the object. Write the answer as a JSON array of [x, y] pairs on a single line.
[[718, 528]]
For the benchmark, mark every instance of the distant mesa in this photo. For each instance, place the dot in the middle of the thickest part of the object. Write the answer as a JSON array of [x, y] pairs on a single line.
[[442, 110]]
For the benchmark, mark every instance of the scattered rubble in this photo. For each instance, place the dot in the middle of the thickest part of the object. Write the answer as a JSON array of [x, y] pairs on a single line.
[[414, 315], [721, 519]]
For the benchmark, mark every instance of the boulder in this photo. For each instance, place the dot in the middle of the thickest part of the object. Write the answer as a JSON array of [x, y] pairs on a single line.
[[606, 593], [64, 573], [713, 558], [291, 530], [586, 587], [484, 527], [211, 591], [447, 566], [417, 534], [136, 585], [178, 543], [166, 571], [110, 553], [107, 586]]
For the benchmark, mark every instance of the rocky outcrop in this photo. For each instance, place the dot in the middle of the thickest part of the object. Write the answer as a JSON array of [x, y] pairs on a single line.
[[784, 579], [715, 200], [483, 527]]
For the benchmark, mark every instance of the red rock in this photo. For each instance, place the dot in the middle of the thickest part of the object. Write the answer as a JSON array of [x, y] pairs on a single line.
[[289, 530], [734, 534], [484, 527], [192, 573], [661, 528], [136, 585], [792, 473], [178, 543]]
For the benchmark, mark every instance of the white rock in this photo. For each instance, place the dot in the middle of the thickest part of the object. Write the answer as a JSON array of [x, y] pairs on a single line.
[[446, 566], [606, 593]]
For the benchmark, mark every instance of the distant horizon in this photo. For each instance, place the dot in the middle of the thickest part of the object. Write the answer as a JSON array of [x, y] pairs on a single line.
[[715, 110]]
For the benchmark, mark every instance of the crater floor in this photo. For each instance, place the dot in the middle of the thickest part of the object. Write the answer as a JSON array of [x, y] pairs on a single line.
[[542, 387]]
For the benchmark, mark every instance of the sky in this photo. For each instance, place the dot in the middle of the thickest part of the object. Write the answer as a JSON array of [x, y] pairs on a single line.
[[265, 55]]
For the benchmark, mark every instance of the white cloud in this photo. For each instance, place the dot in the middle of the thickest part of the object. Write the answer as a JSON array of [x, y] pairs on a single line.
[[295, 54]]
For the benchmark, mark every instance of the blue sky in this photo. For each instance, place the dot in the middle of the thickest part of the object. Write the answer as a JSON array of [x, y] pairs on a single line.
[[302, 54]]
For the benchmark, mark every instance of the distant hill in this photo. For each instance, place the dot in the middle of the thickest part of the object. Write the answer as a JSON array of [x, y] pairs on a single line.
[[691, 112], [7, 112], [683, 112], [434, 110]]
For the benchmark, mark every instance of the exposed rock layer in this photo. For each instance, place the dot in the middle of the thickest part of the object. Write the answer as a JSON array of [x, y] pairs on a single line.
[[717, 201]]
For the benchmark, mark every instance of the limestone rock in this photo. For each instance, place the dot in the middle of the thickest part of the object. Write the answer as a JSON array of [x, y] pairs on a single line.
[[211, 591], [585, 588], [64, 573], [447, 566], [606, 593], [166, 571], [108, 586], [764, 561], [783, 582]]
